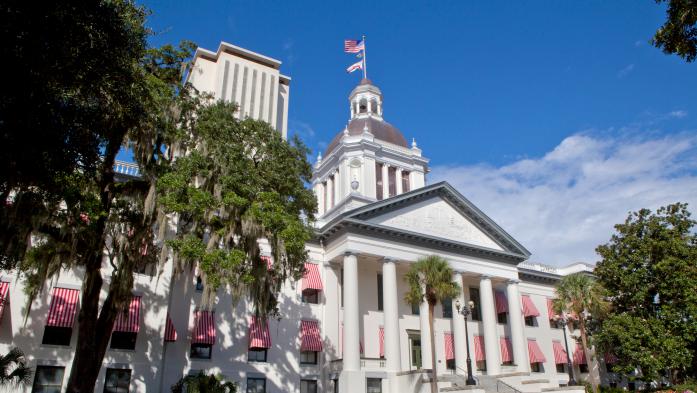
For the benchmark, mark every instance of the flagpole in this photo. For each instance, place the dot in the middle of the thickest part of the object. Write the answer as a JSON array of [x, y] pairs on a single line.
[[365, 67]]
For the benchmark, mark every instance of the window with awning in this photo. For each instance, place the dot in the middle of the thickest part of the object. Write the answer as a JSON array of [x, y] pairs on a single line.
[[61, 316], [381, 337], [501, 303], [449, 350], [579, 356], [552, 315], [170, 331], [559, 352], [479, 353], [530, 312], [312, 283], [203, 335], [506, 350], [310, 339], [4, 296], [259, 336], [535, 352], [126, 326]]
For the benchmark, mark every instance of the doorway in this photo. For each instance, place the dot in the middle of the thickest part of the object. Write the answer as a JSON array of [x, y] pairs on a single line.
[[415, 350]]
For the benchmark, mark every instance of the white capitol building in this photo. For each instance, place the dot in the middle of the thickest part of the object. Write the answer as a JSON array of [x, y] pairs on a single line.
[[345, 326]]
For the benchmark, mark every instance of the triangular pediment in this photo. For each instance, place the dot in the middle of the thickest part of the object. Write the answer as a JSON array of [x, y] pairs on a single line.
[[435, 214], [438, 218]]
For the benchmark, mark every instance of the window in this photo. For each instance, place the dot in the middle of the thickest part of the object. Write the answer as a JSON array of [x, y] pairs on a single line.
[[405, 181], [555, 324], [117, 380], [450, 364], [145, 267], [308, 357], [373, 385], [201, 351], [123, 340], [256, 355], [310, 296], [199, 283], [583, 368], [54, 335], [415, 309], [363, 106], [537, 367], [476, 312], [530, 321], [256, 385], [481, 365], [308, 386], [392, 182], [561, 368], [447, 308], [48, 379], [502, 318], [336, 385], [378, 181], [379, 292]]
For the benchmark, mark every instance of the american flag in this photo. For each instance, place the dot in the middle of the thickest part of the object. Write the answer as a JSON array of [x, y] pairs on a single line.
[[353, 46], [355, 66]]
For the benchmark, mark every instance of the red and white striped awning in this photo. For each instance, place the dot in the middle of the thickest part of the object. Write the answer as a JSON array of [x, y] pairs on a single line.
[[4, 290], [310, 339], [128, 320], [479, 352], [529, 309], [269, 262], [204, 328], [61, 313], [501, 302], [449, 347], [170, 331], [550, 308], [535, 353], [610, 358], [311, 278], [559, 352], [506, 350], [579, 356], [259, 336], [381, 336]]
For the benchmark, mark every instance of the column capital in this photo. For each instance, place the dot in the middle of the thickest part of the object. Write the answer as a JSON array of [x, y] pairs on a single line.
[[389, 260], [485, 277], [349, 253], [513, 281]]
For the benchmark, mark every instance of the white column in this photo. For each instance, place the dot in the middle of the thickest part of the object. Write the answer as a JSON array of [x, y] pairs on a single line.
[[491, 337], [515, 320], [459, 337], [337, 189], [330, 190], [319, 193], [425, 336], [351, 350], [398, 181], [385, 182], [391, 312]]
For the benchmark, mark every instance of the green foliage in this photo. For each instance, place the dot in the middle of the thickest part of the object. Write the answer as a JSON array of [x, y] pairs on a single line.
[[236, 182], [649, 268], [13, 369], [583, 298], [202, 383], [430, 279], [678, 35]]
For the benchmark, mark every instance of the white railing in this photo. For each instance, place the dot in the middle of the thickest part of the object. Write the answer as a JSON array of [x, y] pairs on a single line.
[[126, 168], [337, 365], [539, 267]]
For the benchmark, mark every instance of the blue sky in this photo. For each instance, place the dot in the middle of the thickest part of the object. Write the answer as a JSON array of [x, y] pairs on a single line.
[[507, 99]]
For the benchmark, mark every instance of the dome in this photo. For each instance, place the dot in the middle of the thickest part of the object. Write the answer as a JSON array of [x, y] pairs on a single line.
[[380, 129]]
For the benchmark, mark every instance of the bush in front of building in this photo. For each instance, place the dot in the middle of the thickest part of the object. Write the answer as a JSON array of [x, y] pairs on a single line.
[[204, 383]]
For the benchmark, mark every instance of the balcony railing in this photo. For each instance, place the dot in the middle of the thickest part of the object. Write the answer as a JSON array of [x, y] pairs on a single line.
[[127, 168], [337, 365]]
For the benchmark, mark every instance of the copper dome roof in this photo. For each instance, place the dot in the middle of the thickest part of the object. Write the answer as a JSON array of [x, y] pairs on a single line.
[[381, 130]]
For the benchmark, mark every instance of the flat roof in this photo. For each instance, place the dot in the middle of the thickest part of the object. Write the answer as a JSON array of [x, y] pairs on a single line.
[[237, 51]]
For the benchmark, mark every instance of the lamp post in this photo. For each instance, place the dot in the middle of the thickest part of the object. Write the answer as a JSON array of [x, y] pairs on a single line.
[[466, 312], [564, 319]]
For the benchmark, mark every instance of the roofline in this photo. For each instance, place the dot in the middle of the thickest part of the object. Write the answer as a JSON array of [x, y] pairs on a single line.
[[347, 216], [241, 52]]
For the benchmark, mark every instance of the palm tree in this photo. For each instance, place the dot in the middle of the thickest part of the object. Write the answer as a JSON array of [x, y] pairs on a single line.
[[431, 279], [580, 295], [13, 368], [203, 383]]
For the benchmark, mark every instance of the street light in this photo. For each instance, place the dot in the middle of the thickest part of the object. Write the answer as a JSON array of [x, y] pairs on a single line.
[[564, 319], [466, 312]]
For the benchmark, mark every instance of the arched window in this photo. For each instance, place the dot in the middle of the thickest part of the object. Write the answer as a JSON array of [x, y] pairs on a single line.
[[363, 106], [374, 105]]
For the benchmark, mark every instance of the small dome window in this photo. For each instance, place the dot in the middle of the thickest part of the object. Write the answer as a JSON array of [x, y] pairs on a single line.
[[374, 105], [363, 106]]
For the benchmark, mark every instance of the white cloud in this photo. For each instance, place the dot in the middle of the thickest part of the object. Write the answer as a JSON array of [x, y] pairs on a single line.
[[625, 71], [638, 43], [564, 204], [679, 114]]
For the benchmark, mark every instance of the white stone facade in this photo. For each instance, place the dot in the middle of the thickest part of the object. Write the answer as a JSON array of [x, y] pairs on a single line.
[[364, 246]]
